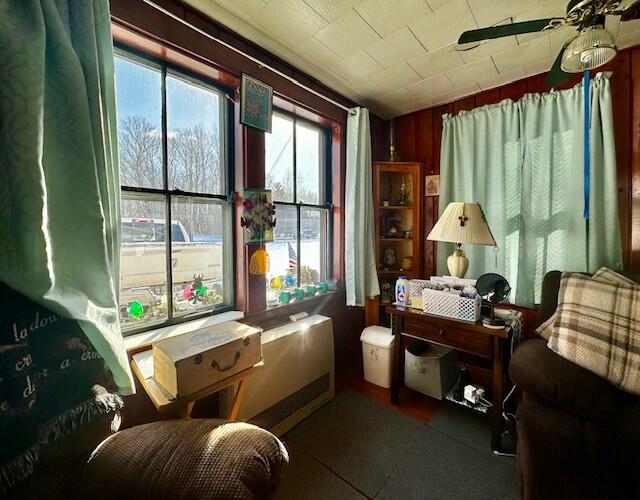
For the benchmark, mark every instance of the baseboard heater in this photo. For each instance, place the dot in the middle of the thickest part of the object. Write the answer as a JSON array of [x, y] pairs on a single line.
[[297, 379]]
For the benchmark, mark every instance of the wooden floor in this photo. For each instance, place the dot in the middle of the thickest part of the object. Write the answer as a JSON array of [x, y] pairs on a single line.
[[412, 403]]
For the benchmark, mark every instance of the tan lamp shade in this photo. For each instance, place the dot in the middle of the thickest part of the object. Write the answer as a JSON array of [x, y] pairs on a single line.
[[463, 223]]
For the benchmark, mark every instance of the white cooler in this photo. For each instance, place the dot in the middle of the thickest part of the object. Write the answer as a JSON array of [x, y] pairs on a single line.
[[377, 357], [430, 369]]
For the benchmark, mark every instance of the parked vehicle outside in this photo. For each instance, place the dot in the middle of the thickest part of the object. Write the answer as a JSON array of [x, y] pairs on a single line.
[[143, 267]]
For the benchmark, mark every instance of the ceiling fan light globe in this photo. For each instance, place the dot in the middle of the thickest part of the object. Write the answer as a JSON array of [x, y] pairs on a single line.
[[591, 49]]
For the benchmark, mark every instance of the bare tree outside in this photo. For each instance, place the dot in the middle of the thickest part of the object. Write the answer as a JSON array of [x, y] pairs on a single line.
[[140, 146], [194, 165]]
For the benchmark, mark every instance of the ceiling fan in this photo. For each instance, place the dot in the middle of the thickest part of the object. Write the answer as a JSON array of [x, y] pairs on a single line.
[[590, 48]]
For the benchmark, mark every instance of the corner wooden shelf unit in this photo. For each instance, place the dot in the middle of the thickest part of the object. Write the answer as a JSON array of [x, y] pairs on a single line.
[[404, 215]]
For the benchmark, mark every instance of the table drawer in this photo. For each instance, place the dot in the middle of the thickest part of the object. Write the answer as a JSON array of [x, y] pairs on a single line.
[[450, 335]]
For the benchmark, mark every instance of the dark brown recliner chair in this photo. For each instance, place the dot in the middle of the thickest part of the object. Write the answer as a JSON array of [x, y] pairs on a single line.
[[578, 435]]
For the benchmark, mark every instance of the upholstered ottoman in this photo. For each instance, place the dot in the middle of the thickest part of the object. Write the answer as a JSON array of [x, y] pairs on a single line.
[[185, 459]]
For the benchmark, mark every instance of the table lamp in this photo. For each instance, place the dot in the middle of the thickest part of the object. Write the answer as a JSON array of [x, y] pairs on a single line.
[[462, 223]]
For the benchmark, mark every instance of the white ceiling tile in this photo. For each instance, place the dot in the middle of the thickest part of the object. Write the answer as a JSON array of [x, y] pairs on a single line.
[[396, 48], [318, 53], [437, 4], [340, 43], [358, 67], [244, 9], [473, 72], [398, 98], [387, 16], [522, 55], [435, 85], [522, 39], [497, 81], [330, 10], [630, 40], [401, 75], [436, 62], [559, 36], [542, 66], [289, 20], [542, 10], [454, 95], [444, 26], [485, 49], [348, 34], [490, 12], [628, 27]]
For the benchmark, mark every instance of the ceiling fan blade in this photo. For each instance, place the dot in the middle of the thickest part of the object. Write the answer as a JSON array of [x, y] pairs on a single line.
[[556, 76], [631, 12], [506, 30]]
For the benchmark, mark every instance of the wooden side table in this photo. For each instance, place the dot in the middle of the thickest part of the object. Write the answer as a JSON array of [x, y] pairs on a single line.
[[473, 338], [142, 364]]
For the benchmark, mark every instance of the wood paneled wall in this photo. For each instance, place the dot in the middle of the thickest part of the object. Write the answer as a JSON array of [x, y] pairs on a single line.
[[418, 136]]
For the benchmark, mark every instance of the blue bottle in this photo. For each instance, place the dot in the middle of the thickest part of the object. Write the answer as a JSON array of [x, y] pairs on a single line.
[[401, 291]]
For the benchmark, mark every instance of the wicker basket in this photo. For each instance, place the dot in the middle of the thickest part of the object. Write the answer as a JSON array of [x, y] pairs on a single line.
[[450, 305], [415, 292]]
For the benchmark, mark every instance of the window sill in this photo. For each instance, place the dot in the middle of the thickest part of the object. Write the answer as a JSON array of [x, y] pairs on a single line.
[[278, 314], [305, 300], [140, 341]]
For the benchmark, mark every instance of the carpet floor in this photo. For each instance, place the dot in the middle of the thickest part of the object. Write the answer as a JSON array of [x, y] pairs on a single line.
[[354, 447]]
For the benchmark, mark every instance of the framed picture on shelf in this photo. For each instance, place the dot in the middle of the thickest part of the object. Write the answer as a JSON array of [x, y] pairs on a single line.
[[256, 103], [432, 185]]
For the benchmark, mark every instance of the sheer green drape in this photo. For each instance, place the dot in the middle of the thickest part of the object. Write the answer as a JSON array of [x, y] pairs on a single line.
[[524, 162], [361, 278], [59, 177]]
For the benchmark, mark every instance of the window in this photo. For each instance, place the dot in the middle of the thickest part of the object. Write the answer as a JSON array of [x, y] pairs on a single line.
[[176, 251], [296, 161]]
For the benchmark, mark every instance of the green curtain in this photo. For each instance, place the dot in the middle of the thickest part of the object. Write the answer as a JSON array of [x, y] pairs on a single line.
[[59, 175], [524, 162], [361, 278]]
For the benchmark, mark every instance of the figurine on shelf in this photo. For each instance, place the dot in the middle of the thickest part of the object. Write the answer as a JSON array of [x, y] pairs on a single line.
[[389, 259], [404, 199], [406, 264], [386, 293], [391, 224]]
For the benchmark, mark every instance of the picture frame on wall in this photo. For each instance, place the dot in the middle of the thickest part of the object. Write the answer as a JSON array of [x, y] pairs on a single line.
[[256, 103], [432, 185]]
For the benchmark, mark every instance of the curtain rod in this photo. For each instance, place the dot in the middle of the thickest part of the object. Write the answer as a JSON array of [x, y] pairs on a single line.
[[248, 56]]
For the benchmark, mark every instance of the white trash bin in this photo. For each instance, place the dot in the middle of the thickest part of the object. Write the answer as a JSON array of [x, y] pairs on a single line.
[[377, 347], [430, 369]]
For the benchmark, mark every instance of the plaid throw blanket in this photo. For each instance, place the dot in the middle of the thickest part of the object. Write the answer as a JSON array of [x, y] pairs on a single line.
[[603, 274], [597, 326]]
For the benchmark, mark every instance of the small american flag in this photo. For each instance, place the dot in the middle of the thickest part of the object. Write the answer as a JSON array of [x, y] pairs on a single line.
[[293, 258]]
